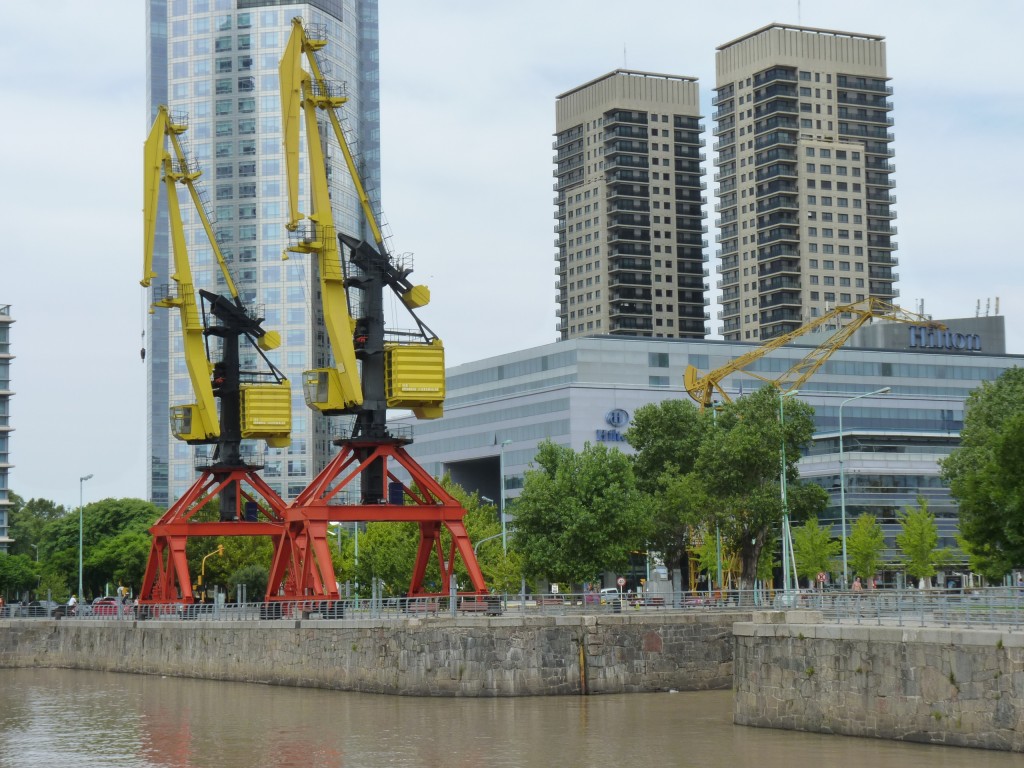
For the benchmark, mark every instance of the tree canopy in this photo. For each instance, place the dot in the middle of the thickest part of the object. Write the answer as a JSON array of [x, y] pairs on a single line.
[[579, 513], [984, 475], [723, 471]]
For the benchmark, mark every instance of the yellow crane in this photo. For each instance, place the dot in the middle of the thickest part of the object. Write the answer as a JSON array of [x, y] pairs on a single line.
[[848, 318], [252, 406], [406, 372]]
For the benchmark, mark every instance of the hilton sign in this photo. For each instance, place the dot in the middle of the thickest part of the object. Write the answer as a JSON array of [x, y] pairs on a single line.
[[615, 418], [923, 337]]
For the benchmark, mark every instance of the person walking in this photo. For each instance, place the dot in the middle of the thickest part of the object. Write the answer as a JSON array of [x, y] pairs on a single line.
[[857, 586]]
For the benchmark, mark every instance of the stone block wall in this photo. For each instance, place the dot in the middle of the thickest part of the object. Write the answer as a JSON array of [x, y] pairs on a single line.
[[921, 684], [436, 656]]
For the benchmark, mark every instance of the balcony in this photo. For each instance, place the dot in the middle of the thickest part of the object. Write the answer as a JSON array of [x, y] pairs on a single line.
[[628, 262], [773, 74], [780, 107], [863, 84], [620, 309], [625, 132], [625, 116], [628, 191], [775, 91], [626, 161], [630, 279], [779, 170], [632, 325], [778, 284], [778, 234], [568, 136], [624, 174], [629, 204], [778, 202], [626, 145], [782, 298], [781, 266]]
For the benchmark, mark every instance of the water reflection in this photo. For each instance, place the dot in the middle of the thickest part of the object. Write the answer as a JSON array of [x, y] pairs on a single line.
[[73, 718]]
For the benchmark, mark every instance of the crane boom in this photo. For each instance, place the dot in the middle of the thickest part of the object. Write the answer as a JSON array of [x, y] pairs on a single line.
[[703, 388], [252, 409], [197, 422], [395, 374]]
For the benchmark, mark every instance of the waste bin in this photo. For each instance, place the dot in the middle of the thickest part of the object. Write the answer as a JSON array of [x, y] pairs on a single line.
[[493, 603]]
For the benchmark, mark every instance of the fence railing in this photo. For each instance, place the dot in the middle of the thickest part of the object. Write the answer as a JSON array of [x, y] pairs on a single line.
[[999, 607]]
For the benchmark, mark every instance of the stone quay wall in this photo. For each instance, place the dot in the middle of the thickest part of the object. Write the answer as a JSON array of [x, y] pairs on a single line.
[[431, 656], [922, 684]]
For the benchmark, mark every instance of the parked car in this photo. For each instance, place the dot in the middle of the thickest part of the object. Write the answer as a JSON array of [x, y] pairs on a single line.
[[106, 606], [39, 609]]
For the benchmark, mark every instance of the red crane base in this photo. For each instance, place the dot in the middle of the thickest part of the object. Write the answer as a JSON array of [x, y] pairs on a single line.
[[167, 578], [302, 563]]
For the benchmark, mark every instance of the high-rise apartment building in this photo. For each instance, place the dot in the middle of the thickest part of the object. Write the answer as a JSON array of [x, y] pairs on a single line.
[[216, 61], [630, 207], [5, 422], [805, 197]]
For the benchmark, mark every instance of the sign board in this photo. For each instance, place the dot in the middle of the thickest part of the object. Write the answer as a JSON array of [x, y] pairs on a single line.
[[620, 581], [554, 589], [821, 577]]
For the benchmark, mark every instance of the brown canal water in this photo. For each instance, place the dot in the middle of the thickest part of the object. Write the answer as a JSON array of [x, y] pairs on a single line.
[[69, 719]]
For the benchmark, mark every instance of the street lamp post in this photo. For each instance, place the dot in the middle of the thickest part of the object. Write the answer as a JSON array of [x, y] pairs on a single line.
[[787, 547], [81, 482], [842, 475], [501, 494]]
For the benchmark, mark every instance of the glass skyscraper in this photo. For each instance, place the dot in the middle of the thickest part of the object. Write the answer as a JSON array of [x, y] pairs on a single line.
[[216, 62]]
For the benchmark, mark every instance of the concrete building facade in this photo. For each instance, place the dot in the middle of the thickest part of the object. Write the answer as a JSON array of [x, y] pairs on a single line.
[[630, 214], [216, 62], [805, 203], [6, 321]]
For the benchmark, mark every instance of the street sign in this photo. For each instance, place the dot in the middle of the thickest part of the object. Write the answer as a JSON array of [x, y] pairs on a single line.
[[821, 577], [621, 581]]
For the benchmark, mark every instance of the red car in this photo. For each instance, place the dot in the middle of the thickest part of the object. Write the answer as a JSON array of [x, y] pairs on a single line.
[[106, 606]]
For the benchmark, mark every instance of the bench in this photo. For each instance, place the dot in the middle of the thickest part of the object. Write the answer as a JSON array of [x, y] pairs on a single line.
[[488, 605], [542, 601]]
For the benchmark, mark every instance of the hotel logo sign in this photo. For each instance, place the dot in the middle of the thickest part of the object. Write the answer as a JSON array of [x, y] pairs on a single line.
[[923, 337], [617, 418]]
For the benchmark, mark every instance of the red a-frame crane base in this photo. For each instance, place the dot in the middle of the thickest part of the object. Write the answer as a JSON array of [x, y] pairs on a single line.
[[302, 560]]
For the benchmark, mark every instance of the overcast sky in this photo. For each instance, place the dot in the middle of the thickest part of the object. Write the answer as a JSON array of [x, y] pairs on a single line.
[[467, 109]]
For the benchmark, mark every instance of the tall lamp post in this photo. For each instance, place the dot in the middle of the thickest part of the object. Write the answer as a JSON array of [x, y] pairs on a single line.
[[786, 547], [842, 475], [81, 482], [501, 494]]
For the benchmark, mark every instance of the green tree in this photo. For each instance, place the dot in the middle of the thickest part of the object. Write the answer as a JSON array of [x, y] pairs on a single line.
[[579, 513], [918, 540], [739, 467], [984, 475], [667, 437], [814, 549], [864, 544], [254, 577], [27, 521], [17, 574]]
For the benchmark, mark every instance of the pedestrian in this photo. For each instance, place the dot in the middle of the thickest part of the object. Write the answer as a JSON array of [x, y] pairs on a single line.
[[857, 586], [72, 605], [1, 606]]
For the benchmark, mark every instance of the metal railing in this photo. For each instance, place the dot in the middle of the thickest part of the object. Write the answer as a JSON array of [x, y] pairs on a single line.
[[992, 608]]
